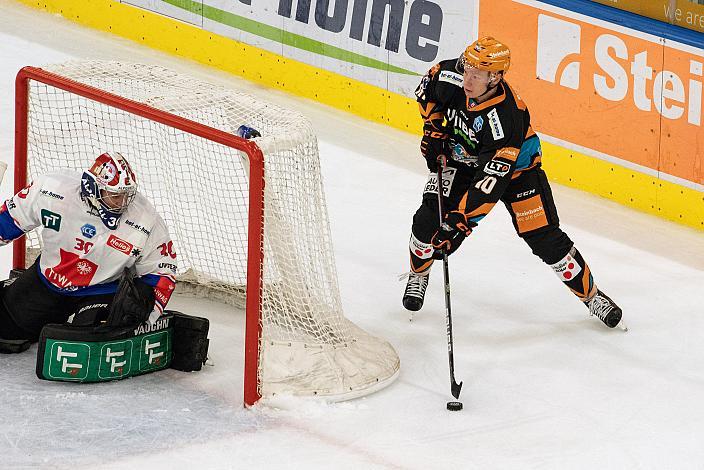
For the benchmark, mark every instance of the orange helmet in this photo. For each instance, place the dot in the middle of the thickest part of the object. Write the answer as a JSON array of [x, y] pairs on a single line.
[[486, 54]]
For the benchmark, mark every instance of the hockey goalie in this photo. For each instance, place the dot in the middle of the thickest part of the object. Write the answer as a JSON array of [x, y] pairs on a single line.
[[95, 298]]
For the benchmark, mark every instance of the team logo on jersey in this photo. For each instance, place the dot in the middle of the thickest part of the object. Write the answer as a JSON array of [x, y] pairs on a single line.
[[495, 123], [83, 267], [51, 220], [459, 154], [88, 231], [478, 123], [120, 245]]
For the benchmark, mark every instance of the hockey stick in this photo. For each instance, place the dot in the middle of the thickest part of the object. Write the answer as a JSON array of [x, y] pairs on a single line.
[[454, 386]]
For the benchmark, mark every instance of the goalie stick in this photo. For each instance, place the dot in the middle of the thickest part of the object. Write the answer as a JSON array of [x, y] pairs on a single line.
[[454, 386]]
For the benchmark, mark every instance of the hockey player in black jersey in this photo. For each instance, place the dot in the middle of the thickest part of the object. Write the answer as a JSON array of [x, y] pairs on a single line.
[[474, 118]]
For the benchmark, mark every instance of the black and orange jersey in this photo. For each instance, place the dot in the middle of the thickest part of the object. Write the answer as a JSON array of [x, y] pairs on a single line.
[[493, 141]]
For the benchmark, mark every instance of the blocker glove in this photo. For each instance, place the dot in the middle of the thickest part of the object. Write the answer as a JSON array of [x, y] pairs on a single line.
[[451, 233], [432, 145]]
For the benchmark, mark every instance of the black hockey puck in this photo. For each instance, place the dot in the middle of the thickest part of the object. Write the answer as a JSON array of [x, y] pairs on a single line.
[[454, 405]]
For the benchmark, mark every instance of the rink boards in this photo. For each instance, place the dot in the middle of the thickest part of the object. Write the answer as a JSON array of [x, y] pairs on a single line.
[[619, 109]]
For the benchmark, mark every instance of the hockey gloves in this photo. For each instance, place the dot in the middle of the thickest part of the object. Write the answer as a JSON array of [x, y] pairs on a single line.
[[451, 233], [133, 301], [432, 145]]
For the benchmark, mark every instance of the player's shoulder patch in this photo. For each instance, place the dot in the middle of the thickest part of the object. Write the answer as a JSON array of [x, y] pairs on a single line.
[[450, 77]]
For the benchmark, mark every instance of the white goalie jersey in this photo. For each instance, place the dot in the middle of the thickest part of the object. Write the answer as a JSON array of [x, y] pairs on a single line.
[[80, 255]]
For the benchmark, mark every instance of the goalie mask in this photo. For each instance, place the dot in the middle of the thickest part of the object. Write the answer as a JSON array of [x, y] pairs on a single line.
[[108, 187]]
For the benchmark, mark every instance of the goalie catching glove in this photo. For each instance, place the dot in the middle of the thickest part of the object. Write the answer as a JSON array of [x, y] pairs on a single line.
[[452, 233]]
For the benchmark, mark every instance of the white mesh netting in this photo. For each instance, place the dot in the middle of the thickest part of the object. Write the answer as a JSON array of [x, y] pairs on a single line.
[[200, 188]]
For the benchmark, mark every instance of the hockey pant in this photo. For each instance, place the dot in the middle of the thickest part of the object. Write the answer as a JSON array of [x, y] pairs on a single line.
[[529, 201], [26, 305]]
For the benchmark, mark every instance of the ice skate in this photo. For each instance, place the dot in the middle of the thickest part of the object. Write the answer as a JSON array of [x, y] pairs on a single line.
[[415, 291], [602, 307]]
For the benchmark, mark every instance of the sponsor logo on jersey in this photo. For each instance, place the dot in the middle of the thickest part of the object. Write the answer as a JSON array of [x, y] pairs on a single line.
[[137, 226], [169, 266], [495, 123], [88, 231], [9, 204], [448, 176], [120, 245], [450, 77], [72, 271], [47, 193], [495, 167], [461, 127], [478, 123], [51, 220]]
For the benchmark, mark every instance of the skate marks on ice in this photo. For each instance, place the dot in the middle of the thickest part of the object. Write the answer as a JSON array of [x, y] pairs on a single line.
[[62, 423]]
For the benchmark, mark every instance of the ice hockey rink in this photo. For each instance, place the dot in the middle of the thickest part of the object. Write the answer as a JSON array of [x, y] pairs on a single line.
[[545, 386]]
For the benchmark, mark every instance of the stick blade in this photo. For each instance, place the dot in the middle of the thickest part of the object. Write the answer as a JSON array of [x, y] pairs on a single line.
[[456, 388]]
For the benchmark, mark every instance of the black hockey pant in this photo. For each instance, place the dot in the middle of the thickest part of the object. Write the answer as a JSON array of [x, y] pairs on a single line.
[[26, 305], [529, 201]]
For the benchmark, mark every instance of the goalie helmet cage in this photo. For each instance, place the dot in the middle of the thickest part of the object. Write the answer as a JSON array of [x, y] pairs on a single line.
[[248, 217]]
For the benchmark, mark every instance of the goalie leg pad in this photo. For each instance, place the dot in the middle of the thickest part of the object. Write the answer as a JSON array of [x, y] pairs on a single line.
[[99, 354], [190, 341]]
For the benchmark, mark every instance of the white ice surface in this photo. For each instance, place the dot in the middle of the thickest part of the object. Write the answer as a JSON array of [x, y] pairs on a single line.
[[544, 385]]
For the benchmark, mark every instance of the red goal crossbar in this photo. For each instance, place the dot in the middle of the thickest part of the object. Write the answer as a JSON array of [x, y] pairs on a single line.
[[255, 232]]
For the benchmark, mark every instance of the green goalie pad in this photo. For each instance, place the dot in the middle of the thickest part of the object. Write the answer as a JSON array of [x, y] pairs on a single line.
[[99, 354]]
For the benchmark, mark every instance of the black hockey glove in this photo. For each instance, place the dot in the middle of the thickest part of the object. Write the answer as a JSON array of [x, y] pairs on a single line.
[[451, 233], [432, 145]]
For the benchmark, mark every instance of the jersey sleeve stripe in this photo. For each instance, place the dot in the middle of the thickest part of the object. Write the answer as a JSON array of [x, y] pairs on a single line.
[[9, 230]]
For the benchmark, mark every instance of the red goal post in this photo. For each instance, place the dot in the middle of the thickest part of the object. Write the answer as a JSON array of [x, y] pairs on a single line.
[[291, 328]]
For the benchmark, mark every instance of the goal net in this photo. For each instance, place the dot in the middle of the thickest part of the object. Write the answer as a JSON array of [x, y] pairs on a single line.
[[248, 218]]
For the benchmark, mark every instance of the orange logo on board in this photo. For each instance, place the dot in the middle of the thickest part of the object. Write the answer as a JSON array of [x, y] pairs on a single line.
[[673, 95]]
